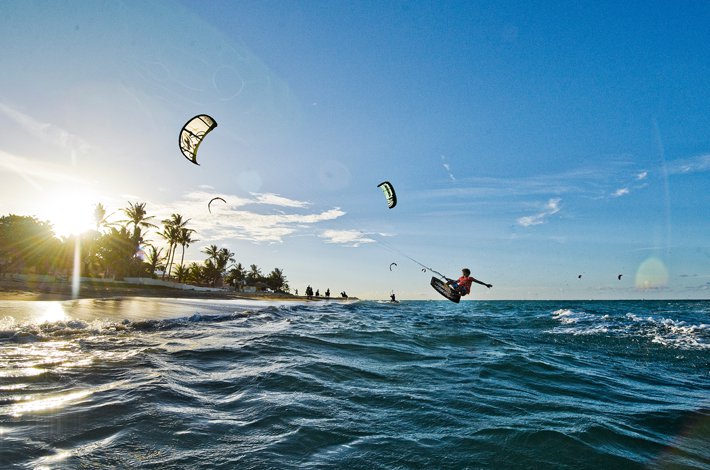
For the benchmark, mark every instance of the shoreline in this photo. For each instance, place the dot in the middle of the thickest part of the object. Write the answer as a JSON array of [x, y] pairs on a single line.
[[12, 289]]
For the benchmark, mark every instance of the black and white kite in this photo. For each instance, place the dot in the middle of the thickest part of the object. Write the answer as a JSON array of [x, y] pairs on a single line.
[[192, 133], [388, 190]]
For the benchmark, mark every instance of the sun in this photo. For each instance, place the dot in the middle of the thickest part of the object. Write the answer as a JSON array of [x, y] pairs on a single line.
[[71, 211]]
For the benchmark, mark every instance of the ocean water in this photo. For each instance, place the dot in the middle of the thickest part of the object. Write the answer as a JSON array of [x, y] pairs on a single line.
[[165, 383]]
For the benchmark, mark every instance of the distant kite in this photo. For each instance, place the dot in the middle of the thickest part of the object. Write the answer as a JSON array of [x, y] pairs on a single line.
[[192, 133], [423, 270], [212, 200], [619, 276], [388, 190], [579, 277], [392, 264]]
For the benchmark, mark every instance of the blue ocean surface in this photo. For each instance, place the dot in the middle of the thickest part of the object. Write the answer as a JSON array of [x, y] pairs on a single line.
[[166, 383]]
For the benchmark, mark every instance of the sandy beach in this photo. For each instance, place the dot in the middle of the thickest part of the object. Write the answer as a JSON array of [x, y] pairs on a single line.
[[13, 289]]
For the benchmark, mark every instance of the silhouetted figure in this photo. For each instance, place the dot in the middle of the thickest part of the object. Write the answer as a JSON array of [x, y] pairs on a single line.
[[317, 292], [327, 293], [392, 297], [309, 292]]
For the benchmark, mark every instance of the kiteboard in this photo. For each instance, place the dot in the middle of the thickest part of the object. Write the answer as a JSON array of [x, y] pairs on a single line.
[[444, 289]]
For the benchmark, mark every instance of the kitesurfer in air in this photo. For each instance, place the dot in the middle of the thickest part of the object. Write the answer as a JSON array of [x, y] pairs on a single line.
[[463, 284]]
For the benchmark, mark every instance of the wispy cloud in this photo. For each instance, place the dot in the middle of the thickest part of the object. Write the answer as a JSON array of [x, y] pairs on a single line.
[[632, 183], [581, 181], [552, 207], [621, 192], [253, 218], [31, 169], [697, 164], [447, 167], [276, 200], [353, 238], [48, 132]]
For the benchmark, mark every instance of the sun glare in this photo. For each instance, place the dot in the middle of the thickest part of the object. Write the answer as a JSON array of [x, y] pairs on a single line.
[[70, 212]]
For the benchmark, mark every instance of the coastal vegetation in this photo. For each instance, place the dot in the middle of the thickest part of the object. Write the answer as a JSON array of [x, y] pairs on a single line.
[[115, 250]]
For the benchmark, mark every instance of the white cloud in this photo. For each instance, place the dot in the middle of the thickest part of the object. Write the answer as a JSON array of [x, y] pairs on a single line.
[[621, 192], [552, 207], [352, 238], [641, 176], [30, 169], [244, 218], [276, 200], [48, 132]]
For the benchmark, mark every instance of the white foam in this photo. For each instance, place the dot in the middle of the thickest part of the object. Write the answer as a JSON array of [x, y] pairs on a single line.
[[566, 316]]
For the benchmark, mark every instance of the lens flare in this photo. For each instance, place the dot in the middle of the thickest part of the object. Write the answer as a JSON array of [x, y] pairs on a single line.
[[651, 274]]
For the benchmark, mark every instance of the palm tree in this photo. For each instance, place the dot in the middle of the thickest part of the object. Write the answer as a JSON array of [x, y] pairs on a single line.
[[236, 275], [196, 273], [222, 260], [181, 272], [138, 217], [184, 239], [153, 259], [100, 217], [254, 275], [216, 264], [277, 281], [171, 233], [211, 251], [116, 251]]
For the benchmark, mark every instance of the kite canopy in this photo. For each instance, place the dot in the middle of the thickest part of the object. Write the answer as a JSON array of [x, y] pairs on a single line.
[[392, 264], [212, 200], [388, 190], [192, 133]]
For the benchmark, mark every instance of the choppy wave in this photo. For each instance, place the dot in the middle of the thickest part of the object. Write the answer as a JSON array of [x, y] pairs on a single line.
[[363, 385], [659, 329]]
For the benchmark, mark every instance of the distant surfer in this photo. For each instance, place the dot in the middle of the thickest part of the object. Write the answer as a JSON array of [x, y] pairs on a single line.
[[463, 284], [392, 297]]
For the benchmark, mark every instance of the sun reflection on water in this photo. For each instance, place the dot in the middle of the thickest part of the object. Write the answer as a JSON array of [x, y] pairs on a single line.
[[51, 312], [49, 403]]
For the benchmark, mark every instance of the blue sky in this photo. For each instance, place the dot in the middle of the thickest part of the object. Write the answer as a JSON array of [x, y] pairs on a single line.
[[531, 143]]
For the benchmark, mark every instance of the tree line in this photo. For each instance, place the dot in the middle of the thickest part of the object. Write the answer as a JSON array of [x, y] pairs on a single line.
[[122, 249]]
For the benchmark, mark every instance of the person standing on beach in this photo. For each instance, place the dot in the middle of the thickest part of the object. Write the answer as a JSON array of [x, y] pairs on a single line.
[[463, 284], [327, 293]]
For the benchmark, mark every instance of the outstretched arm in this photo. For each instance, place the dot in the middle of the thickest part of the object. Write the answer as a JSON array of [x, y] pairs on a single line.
[[482, 283]]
